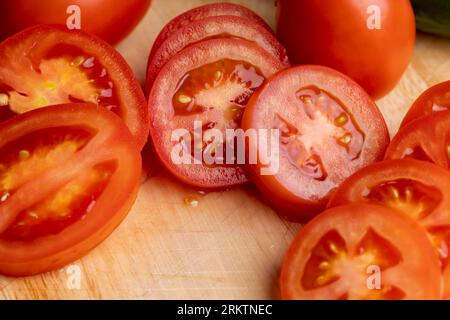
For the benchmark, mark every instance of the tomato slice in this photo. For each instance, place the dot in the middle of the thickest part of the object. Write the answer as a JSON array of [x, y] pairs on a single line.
[[48, 65], [426, 138], [359, 252], [329, 128], [210, 82], [208, 28], [68, 176], [435, 99], [206, 11], [416, 188]]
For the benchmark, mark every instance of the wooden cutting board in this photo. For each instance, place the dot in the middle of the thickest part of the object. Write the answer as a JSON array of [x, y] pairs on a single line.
[[229, 246]]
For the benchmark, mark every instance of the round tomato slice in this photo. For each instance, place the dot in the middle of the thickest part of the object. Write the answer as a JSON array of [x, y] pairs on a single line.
[[199, 92], [418, 189], [360, 252], [111, 20], [202, 12], [213, 27], [328, 128], [68, 176], [48, 65], [435, 99], [426, 138]]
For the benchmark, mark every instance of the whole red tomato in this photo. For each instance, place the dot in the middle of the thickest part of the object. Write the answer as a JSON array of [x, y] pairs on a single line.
[[111, 20], [371, 41]]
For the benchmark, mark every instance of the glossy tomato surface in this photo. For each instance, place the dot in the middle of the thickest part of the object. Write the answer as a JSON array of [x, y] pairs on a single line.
[[206, 11], [426, 138], [435, 99], [49, 65], [111, 20], [361, 252], [68, 176], [372, 41], [328, 129], [416, 188], [213, 27], [208, 83]]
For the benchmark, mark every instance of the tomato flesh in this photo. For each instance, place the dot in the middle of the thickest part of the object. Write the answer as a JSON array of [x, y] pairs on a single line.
[[333, 257], [426, 138], [66, 74], [435, 99]]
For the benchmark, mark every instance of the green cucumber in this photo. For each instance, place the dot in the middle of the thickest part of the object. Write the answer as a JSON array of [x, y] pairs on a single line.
[[433, 16]]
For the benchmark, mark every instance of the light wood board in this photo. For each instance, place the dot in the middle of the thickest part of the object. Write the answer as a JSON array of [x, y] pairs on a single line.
[[228, 247]]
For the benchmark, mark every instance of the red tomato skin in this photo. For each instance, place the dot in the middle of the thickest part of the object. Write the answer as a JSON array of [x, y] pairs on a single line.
[[53, 252], [132, 100], [111, 20], [336, 34], [423, 106]]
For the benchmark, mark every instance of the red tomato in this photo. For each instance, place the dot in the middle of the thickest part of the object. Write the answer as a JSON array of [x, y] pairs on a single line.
[[329, 128], [202, 12], [68, 176], [210, 82], [344, 35], [49, 65], [111, 20], [426, 138], [208, 28], [342, 253], [416, 188], [434, 99]]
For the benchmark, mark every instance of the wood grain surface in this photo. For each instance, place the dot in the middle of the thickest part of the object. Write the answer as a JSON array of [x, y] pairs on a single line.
[[229, 246]]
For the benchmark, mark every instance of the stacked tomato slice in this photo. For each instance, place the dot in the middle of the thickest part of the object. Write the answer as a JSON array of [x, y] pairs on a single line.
[[73, 120], [388, 216], [204, 67]]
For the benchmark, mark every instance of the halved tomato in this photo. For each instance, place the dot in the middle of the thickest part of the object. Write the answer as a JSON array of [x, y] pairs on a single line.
[[361, 251], [418, 189], [206, 11], [208, 83], [213, 27], [48, 65], [329, 128], [426, 138], [68, 176], [435, 99]]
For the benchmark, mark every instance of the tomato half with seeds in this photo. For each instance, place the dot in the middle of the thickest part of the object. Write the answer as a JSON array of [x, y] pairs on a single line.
[[416, 188], [361, 252], [48, 65], [206, 11], [213, 27], [426, 138], [328, 128], [435, 99], [68, 176], [198, 95]]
